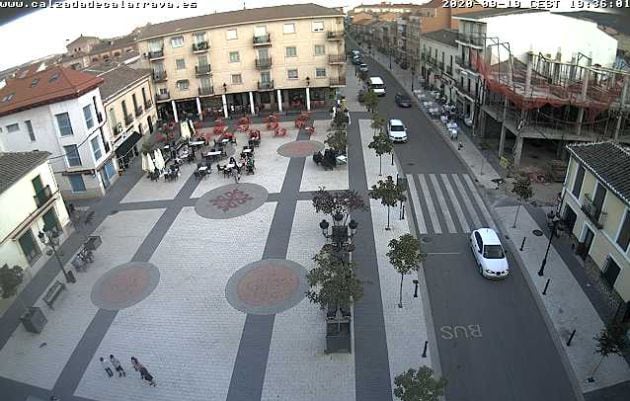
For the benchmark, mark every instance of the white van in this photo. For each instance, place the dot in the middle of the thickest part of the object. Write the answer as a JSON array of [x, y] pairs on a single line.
[[376, 85]]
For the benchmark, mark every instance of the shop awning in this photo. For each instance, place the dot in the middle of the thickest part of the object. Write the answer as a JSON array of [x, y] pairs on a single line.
[[126, 146]]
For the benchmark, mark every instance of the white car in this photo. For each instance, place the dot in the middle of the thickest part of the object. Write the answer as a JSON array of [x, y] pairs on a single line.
[[396, 130], [489, 254]]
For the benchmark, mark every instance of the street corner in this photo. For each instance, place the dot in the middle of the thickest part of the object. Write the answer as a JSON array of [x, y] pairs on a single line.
[[125, 285], [267, 287], [230, 201]]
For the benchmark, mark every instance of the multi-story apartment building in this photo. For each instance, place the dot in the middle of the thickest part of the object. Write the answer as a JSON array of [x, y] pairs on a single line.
[[438, 55], [89, 50], [127, 96], [596, 209], [31, 202], [266, 59], [59, 110]]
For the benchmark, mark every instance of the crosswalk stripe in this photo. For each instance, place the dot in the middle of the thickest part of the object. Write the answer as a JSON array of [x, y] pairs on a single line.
[[450, 224], [417, 207], [427, 197], [458, 209], [467, 202], [479, 201]]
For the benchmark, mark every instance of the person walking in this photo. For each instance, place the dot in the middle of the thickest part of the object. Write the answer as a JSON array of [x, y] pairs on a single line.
[[107, 367], [116, 363], [144, 373], [136, 365]]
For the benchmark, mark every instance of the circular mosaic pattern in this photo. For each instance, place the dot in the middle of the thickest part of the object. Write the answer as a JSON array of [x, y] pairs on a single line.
[[125, 285], [267, 286], [231, 200], [300, 148]]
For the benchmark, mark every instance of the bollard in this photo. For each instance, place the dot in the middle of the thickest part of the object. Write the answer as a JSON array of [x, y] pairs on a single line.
[[415, 291], [546, 286], [571, 338], [424, 353], [523, 243]]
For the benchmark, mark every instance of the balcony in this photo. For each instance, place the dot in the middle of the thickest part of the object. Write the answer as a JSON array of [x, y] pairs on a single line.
[[441, 65], [265, 86], [338, 81], [160, 97], [139, 111], [42, 196], [449, 70], [128, 119], [156, 54], [159, 76], [206, 91], [200, 47], [263, 40], [147, 104], [263, 63], [203, 69], [336, 59], [334, 35], [471, 39], [118, 129], [594, 213]]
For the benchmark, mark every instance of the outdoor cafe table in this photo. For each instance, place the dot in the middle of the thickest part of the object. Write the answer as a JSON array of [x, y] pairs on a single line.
[[215, 153], [247, 150], [231, 165], [202, 168], [196, 143]]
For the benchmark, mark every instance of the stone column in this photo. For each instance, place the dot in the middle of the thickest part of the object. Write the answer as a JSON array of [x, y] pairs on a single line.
[[622, 103], [199, 111], [251, 103], [279, 100], [580, 117], [308, 98], [518, 150], [225, 109], [174, 111]]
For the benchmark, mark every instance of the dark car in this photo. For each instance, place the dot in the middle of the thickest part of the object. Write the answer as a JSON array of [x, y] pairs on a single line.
[[363, 67], [403, 100], [356, 60]]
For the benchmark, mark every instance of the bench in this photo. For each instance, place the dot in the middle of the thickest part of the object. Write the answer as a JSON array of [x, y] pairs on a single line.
[[53, 292]]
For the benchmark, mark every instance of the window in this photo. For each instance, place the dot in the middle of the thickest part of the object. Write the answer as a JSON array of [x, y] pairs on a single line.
[[237, 79], [291, 51], [234, 57], [231, 34], [180, 63], [624, 234], [110, 171], [288, 28], [96, 148], [579, 179], [72, 155], [63, 121], [199, 37], [203, 60], [13, 128], [34, 82], [205, 82], [320, 73], [260, 31], [320, 50], [177, 41], [318, 26], [292, 74], [54, 77], [87, 113], [155, 45], [8, 97], [29, 128], [76, 183], [182, 85]]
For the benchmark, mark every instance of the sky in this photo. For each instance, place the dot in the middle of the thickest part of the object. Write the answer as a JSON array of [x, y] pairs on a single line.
[[46, 31]]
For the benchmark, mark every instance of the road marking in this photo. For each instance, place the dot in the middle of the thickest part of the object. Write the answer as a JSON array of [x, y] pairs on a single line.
[[458, 208], [453, 332], [427, 197], [467, 202], [479, 201], [417, 206], [442, 201]]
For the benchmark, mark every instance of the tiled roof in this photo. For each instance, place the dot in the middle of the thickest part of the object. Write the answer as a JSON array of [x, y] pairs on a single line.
[[497, 12], [240, 17], [609, 162], [446, 36], [15, 165], [113, 43], [44, 87], [116, 77]]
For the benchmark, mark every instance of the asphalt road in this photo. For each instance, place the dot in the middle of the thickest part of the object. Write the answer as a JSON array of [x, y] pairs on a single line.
[[492, 340]]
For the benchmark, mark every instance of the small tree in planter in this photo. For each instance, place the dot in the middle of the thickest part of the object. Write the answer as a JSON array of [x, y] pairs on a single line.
[[612, 340], [339, 204], [381, 145], [10, 280], [405, 255], [523, 189], [370, 100], [378, 123], [389, 193], [340, 122], [419, 385], [338, 141]]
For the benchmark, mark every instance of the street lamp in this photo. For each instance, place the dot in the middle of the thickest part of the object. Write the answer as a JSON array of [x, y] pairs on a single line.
[[224, 87], [413, 76], [340, 235], [308, 81], [50, 239], [554, 225], [390, 57]]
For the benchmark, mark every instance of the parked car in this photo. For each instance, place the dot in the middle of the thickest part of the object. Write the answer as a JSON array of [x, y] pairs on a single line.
[[489, 254], [396, 130], [403, 100], [363, 67], [356, 60]]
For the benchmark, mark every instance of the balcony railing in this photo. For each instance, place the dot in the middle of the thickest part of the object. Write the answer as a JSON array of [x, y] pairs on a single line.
[[118, 129], [262, 40], [263, 63], [471, 39], [441, 65], [594, 213], [139, 111], [156, 54], [99, 117], [159, 76], [163, 96], [337, 81], [334, 35], [206, 91], [336, 58], [200, 47], [449, 70], [203, 69], [42, 196], [267, 85], [148, 104], [459, 61], [128, 119]]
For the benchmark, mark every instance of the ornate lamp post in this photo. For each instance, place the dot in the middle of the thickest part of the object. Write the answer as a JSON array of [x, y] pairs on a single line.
[[554, 227], [50, 239], [340, 235]]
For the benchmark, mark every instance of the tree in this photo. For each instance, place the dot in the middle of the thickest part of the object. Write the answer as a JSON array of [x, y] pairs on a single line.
[[523, 189], [338, 141], [10, 280], [338, 203], [340, 121], [381, 145], [370, 101], [405, 255], [419, 385], [333, 281], [378, 123], [611, 340], [389, 192]]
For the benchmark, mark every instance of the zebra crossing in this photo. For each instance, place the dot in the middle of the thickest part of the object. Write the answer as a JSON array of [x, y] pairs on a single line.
[[447, 203]]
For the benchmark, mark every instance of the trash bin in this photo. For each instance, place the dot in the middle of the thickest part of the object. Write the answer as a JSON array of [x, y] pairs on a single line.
[[93, 242], [34, 320]]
